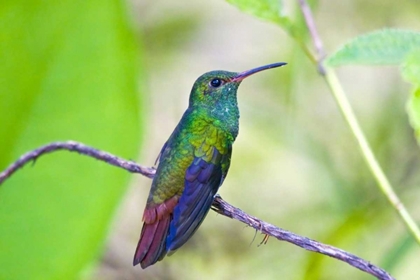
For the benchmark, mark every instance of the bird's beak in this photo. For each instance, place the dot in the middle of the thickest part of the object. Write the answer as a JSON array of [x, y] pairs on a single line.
[[247, 73]]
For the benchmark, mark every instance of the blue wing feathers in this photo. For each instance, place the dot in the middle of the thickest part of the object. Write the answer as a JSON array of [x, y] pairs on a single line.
[[193, 170], [187, 230], [190, 202], [202, 180], [206, 174]]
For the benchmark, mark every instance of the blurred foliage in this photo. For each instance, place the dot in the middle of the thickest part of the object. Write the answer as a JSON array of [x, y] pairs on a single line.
[[291, 20], [158, 36], [295, 163], [271, 10], [411, 73], [387, 46], [69, 70]]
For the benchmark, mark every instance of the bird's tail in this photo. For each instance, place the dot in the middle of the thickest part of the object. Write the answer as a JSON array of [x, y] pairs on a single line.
[[152, 244]]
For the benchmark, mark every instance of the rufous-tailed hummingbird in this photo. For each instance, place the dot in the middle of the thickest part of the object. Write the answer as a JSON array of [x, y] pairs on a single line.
[[192, 165]]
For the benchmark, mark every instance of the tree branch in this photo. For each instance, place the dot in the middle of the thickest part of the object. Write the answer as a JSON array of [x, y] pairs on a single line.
[[80, 148], [224, 208], [219, 205]]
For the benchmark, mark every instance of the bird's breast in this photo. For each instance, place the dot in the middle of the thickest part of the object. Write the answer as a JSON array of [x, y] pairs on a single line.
[[197, 139]]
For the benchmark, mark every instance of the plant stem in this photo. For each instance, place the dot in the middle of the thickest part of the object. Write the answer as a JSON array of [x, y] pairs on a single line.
[[375, 168], [345, 107]]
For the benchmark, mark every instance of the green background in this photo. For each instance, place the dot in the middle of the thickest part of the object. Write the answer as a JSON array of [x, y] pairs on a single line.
[[116, 76], [69, 70]]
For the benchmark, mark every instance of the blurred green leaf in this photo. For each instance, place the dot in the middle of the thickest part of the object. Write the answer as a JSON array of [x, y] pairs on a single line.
[[411, 72], [68, 71], [413, 110], [399, 250], [411, 68], [388, 46], [175, 31], [271, 10]]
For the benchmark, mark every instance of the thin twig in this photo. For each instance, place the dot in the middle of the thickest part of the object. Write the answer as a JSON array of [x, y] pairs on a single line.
[[219, 205], [224, 208], [310, 23], [80, 148], [347, 111]]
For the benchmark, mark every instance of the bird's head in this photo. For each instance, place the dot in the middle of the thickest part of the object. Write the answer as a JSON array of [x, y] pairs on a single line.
[[220, 86]]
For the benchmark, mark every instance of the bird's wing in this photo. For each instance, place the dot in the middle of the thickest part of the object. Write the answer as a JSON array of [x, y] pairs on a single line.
[[202, 180]]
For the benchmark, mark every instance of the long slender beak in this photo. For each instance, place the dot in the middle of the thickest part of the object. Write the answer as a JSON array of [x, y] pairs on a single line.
[[247, 73]]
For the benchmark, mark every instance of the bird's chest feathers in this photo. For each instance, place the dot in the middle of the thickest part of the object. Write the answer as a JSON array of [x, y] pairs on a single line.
[[225, 117], [218, 127], [207, 136]]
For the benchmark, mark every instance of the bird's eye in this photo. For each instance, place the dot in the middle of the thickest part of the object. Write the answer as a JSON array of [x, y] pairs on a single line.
[[216, 82]]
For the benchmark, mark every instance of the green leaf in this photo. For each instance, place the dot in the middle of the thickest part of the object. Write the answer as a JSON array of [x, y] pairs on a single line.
[[411, 72], [68, 71], [271, 10], [411, 68], [388, 46], [413, 110]]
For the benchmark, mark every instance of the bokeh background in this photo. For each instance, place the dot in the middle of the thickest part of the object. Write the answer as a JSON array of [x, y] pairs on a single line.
[[295, 163]]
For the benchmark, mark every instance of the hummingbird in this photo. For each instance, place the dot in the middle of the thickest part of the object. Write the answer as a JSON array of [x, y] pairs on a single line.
[[193, 164]]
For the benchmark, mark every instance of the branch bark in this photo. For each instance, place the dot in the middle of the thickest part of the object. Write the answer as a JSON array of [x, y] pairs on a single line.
[[219, 205]]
